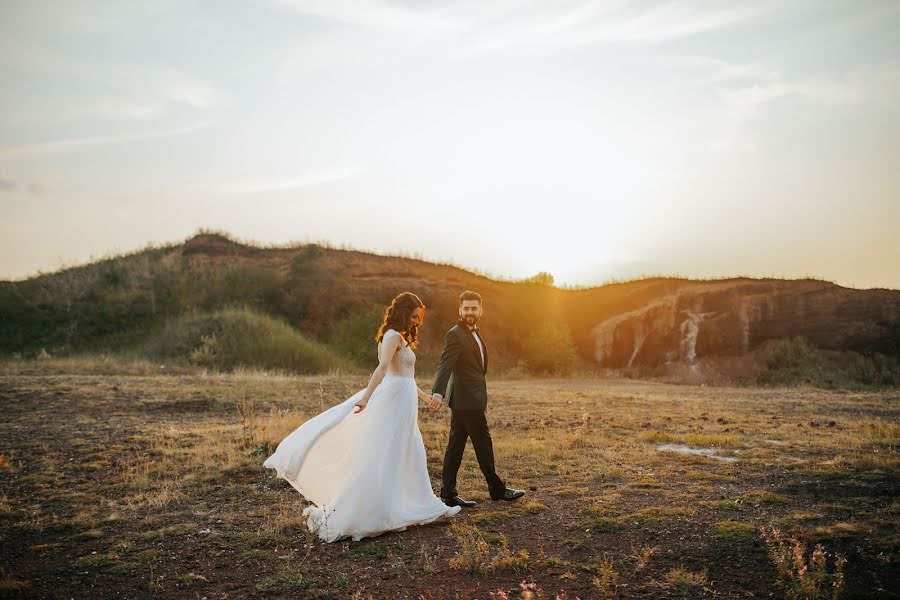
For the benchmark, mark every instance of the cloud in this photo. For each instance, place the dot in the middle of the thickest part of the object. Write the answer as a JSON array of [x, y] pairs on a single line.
[[280, 184], [664, 23], [747, 92], [536, 30], [756, 83], [715, 70], [44, 183], [141, 91], [7, 184], [376, 14], [830, 90], [40, 189], [614, 22], [118, 109], [184, 89], [43, 148]]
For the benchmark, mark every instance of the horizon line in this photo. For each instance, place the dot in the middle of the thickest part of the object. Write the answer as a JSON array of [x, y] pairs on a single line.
[[327, 244]]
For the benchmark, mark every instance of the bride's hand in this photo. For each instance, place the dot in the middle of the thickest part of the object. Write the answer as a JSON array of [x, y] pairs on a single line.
[[360, 406]]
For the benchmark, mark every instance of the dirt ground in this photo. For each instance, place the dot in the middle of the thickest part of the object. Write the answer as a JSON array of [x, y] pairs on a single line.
[[153, 487]]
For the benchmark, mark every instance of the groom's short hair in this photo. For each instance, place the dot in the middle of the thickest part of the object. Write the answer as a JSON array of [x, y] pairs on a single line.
[[469, 295]]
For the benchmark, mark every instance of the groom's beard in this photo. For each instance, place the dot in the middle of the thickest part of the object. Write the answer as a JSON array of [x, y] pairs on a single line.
[[470, 320]]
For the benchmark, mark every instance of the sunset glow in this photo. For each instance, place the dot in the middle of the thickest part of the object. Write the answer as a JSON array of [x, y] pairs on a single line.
[[591, 140]]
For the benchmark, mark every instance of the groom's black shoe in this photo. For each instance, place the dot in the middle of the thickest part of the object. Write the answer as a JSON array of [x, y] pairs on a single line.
[[509, 494], [457, 501]]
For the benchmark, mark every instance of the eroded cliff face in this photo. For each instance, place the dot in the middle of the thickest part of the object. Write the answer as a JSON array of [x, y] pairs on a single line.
[[735, 317]]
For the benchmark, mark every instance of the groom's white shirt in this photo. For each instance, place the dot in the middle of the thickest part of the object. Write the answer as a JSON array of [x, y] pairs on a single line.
[[478, 339]]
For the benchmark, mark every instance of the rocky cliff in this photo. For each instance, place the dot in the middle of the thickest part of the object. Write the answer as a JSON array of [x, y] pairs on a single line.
[[735, 317]]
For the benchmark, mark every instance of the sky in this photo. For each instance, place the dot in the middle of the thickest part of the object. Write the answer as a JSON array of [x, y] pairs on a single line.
[[594, 140]]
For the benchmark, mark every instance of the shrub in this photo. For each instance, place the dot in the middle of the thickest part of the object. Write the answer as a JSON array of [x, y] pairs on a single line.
[[684, 582], [606, 580], [549, 350], [796, 360], [306, 261], [476, 556], [801, 577], [792, 359], [354, 335], [234, 337], [793, 353]]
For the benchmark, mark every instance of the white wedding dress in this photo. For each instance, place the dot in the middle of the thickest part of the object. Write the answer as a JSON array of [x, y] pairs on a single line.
[[365, 473]]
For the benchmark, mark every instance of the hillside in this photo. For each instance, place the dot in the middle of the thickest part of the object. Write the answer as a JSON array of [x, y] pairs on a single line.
[[334, 298]]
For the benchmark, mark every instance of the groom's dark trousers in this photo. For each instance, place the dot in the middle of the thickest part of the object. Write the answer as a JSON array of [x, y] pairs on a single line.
[[460, 380], [469, 424]]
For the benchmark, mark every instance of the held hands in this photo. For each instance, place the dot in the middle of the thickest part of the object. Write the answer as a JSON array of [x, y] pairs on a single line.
[[436, 402]]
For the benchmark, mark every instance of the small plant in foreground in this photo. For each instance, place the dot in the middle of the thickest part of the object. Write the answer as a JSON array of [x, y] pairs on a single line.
[[642, 557], [527, 591], [606, 580], [803, 578], [476, 556], [734, 531], [684, 582]]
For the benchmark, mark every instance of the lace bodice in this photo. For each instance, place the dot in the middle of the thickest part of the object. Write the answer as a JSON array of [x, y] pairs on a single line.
[[403, 364]]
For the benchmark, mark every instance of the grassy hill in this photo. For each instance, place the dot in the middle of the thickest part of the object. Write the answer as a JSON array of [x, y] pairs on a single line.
[[334, 297], [197, 301]]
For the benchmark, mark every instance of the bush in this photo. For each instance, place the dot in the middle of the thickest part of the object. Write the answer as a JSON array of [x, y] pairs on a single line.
[[876, 370], [795, 360], [542, 278], [549, 350], [354, 335], [799, 576], [306, 261], [686, 583], [477, 557], [794, 355], [234, 337]]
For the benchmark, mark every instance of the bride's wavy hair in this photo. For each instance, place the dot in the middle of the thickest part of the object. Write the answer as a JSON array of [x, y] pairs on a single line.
[[397, 315]]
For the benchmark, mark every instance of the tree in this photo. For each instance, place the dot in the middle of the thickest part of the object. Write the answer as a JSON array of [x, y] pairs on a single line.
[[542, 278]]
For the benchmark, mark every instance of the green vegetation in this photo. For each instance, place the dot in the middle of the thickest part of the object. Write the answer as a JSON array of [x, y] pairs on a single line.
[[233, 337], [796, 360], [599, 520], [802, 576], [284, 583], [354, 335], [549, 350], [329, 302], [686, 583]]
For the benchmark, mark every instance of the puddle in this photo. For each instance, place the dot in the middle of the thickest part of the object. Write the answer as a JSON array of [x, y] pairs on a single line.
[[708, 452]]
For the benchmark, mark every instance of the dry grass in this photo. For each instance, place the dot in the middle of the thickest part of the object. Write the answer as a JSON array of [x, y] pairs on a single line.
[[734, 531], [137, 468], [686, 583]]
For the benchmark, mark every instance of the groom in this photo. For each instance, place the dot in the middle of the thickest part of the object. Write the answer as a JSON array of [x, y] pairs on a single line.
[[461, 368]]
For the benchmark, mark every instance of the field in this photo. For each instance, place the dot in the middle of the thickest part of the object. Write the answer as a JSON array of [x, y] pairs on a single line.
[[152, 486]]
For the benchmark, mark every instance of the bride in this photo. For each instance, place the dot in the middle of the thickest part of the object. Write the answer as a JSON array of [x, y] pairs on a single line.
[[362, 462]]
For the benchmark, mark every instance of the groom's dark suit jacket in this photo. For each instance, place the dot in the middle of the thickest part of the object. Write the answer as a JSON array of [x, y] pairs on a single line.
[[460, 374]]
